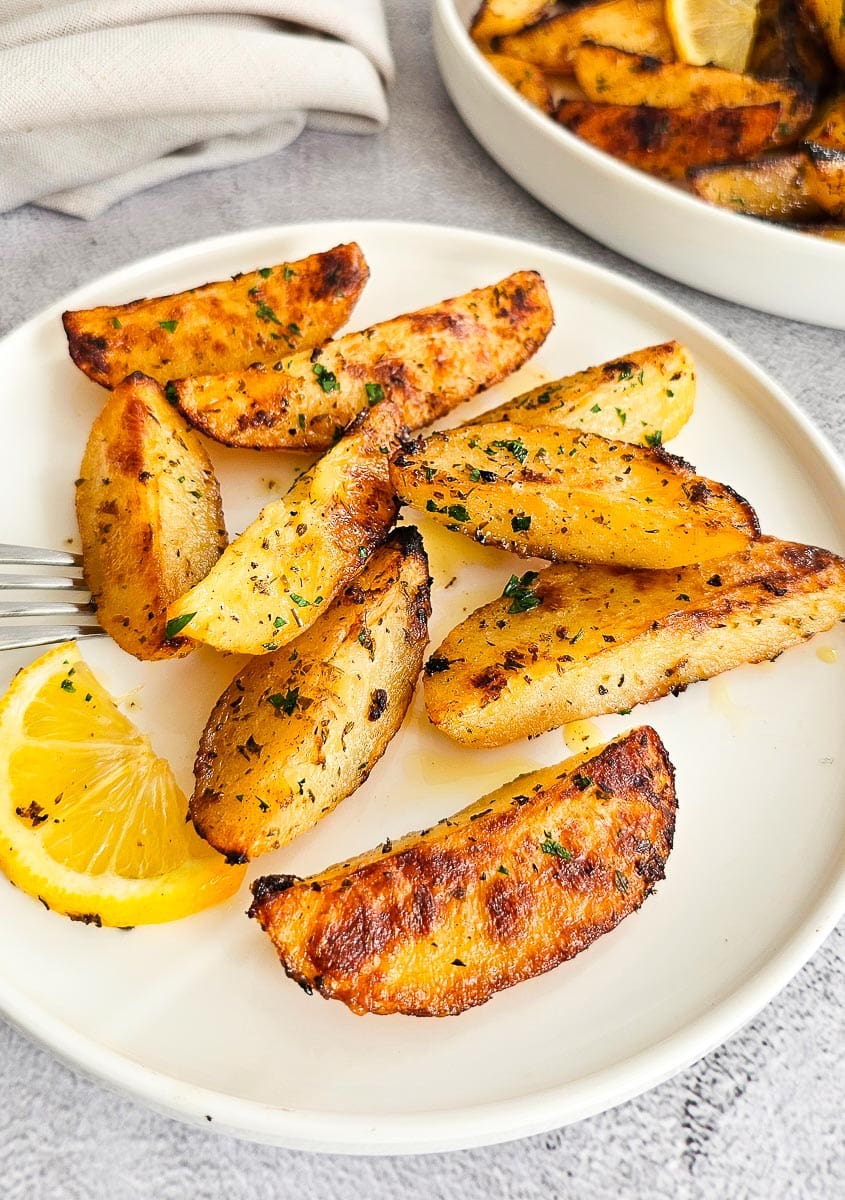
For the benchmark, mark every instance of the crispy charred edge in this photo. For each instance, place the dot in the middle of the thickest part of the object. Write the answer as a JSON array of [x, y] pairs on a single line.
[[87, 350], [616, 768]]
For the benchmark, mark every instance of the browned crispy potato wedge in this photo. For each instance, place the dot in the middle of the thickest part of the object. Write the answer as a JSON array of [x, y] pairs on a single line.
[[504, 890], [826, 16], [563, 495], [275, 579], [298, 731], [427, 361], [526, 79], [666, 141], [496, 17], [221, 326], [833, 233], [636, 25], [611, 76], [149, 514], [773, 187], [824, 143], [576, 641], [643, 397], [785, 47]]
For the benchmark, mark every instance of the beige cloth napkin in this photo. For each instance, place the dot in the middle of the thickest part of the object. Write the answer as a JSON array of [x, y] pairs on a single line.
[[102, 98]]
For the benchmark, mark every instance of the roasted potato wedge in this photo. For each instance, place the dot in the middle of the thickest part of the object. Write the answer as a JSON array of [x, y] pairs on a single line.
[[824, 144], [611, 76], [558, 494], [298, 731], [149, 514], [504, 890], [827, 17], [526, 79], [221, 326], [496, 17], [667, 141], [576, 641], [773, 187], [636, 25], [785, 47], [275, 579], [833, 233], [427, 361], [643, 397]]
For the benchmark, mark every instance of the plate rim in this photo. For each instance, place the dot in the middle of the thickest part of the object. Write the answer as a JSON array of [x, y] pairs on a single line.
[[501, 1120]]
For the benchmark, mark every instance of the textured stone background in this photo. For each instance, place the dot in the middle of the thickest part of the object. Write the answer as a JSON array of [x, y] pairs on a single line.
[[760, 1117]]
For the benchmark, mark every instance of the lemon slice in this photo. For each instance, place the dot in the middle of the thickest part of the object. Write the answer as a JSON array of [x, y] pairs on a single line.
[[92, 822], [712, 31]]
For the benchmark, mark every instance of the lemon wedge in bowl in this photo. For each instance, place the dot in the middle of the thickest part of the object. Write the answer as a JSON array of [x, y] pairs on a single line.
[[719, 32], [92, 821]]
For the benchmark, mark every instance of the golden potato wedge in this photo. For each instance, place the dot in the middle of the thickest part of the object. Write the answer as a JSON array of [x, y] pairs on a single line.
[[274, 580], [611, 76], [636, 25], [827, 17], [149, 514], [526, 79], [495, 17], [298, 731], [824, 144], [558, 494], [833, 233], [785, 47], [504, 890], [666, 141], [774, 187], [573, 641], [221, 326], [643, 397], [427, 361]]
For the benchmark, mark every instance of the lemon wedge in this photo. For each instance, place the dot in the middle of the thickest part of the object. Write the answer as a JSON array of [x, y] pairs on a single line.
[[92, 822], [712, 31]]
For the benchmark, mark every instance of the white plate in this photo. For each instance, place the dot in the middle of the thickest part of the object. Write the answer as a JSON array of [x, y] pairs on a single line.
[[752, 262], [197, 1018]]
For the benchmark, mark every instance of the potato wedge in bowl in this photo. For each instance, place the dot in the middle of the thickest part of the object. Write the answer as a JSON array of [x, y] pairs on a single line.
[[273, 580], [427, 361], [563, 495], [645, 397], [504, 890], [576, 641], [298, 731], [150, 517], [221, 326]]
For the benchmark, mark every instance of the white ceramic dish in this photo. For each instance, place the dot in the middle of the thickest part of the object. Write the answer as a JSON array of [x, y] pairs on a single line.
[[198, 1020], [751, 262]]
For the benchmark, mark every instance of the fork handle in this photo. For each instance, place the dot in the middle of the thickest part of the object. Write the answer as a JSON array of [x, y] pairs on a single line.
[[40, 635]]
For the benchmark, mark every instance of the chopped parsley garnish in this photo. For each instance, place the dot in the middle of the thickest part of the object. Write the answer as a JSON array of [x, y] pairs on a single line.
[[326, 379], [363, 553], [457, 512], [266, 272], [117, 323], [375, 393], [622, 415], [265, 313], [300, 420], [550, 846], [176, 624], [300, 601], [170, 326], [654, 439], [67, 686], [503, 870], [430, 506], [279, 622], [518, 591], [286, 703], [430, 472], [517, 448], [289, 273], [474, 473], [294, 328], [170, 393], [520, 523], [582, 782], [596, 408]]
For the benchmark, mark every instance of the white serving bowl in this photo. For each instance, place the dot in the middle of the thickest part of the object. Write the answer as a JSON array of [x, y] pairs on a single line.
[[752, 262]]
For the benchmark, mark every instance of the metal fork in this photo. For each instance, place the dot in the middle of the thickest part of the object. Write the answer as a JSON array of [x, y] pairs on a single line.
[[20, 636]]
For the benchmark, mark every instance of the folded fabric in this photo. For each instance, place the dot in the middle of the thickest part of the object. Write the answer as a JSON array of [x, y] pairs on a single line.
[[98, 101]]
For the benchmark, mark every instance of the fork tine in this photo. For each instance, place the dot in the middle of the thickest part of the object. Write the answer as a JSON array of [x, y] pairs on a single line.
[[32, 556], [41, 635], [37, 583], [49, 608]]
